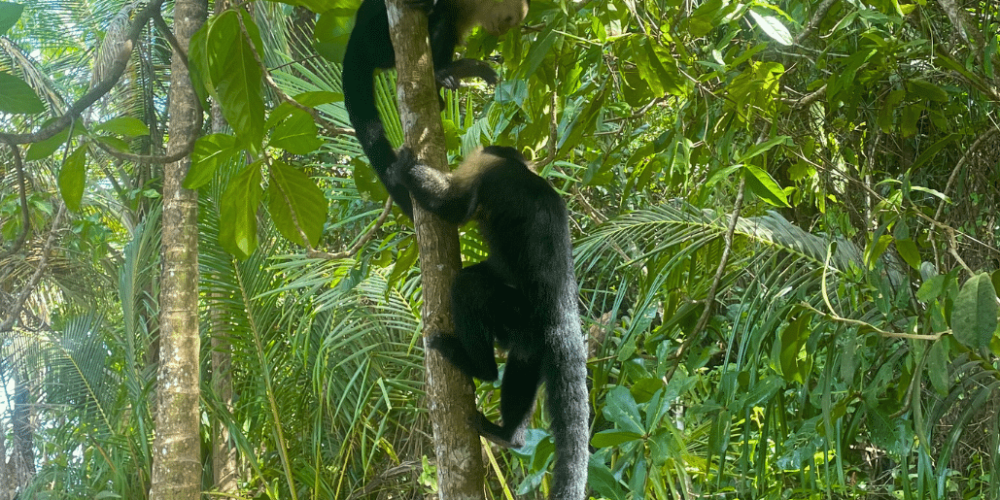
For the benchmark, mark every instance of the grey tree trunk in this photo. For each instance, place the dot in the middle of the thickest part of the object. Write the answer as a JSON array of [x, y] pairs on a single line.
[[177, 447], [450, 393]]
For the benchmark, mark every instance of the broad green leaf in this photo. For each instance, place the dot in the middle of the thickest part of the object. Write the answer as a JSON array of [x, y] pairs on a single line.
[[773, 27], [612, 437], [16, 97], [908, 251], [705, 17], [238, 212], [975, 316], [44, 149], [9, 14], [911, 114], [238, 81], [332, 30], [885, 114], [926, 90], [621, 409], [72, 178], [123, 125], [113, 142], [932, 288], [209, 153], [793, 338], [296, 204], [297, 134], [937, 368], [763, 185]]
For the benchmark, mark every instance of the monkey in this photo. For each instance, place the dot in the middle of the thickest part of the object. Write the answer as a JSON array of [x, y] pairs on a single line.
[[369, 47], [523, 297]]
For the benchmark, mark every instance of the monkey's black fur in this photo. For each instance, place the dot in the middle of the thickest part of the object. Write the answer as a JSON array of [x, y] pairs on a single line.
[[369, 47], [522, 297]]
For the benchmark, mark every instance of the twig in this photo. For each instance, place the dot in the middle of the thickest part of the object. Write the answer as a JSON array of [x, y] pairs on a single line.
[[15, 310], [171, 39], [815, 20], [22, 188], [361, 241], [147, 158], [958, 166], [720, 271], [96, 92]]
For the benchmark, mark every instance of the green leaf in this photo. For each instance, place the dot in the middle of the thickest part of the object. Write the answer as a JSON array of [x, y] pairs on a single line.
[[926, 90], [937, 368], [537, 53], [72, 178], [758, 149], [975, 316], [16, 97], [773, 27], [238, 212], [932, 288], [297, 134], [611, 438], [763, 185], [875, 250], [888, 108], [621, 409], [210, 152], [9, 14], [911, 114], [793, 338], [296, 203], [318, 98], [123, 125], [236, 77], [908, 251], [113, 142]]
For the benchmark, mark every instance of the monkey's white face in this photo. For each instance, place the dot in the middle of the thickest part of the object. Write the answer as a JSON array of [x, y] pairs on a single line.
[[501, 16]]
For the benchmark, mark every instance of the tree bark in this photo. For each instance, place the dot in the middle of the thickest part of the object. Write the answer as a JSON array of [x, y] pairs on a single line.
[[177, 447], [451, 395]]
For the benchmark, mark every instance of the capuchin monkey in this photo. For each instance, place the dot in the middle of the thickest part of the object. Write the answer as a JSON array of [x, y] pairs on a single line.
[[522, 297], [369, 47]]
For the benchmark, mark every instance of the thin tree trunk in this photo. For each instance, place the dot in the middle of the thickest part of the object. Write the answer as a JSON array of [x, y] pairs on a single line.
[[177, 448], [451, 394], [223, 451]]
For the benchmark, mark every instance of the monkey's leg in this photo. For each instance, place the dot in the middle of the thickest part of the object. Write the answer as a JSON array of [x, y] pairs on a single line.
[[484, 311], [521, 378]]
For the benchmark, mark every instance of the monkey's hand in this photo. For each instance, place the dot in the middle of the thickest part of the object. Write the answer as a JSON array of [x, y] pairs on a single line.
[[449, 76], [406, 161]]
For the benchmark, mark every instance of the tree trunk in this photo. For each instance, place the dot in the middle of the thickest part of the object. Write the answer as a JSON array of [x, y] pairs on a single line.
[[177, 447], [223, 451], [451, 394]]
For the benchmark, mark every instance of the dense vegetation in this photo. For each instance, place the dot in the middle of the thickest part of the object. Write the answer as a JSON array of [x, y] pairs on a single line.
[[786, 240]]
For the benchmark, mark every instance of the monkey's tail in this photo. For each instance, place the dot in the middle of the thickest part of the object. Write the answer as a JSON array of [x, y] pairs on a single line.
[[359, 98], [569, 403]]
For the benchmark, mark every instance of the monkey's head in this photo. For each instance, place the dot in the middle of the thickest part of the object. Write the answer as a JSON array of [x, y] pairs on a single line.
[[499, 16]]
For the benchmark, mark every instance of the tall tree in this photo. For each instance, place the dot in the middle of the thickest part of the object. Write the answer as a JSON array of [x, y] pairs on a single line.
[[451, 394], [177, 457]]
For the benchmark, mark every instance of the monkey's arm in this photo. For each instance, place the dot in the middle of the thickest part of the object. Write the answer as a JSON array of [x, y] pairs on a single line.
[[435, 191]]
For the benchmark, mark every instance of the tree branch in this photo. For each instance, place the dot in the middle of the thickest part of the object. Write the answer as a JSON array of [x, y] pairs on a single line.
[[22, 191], [97, 91]]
